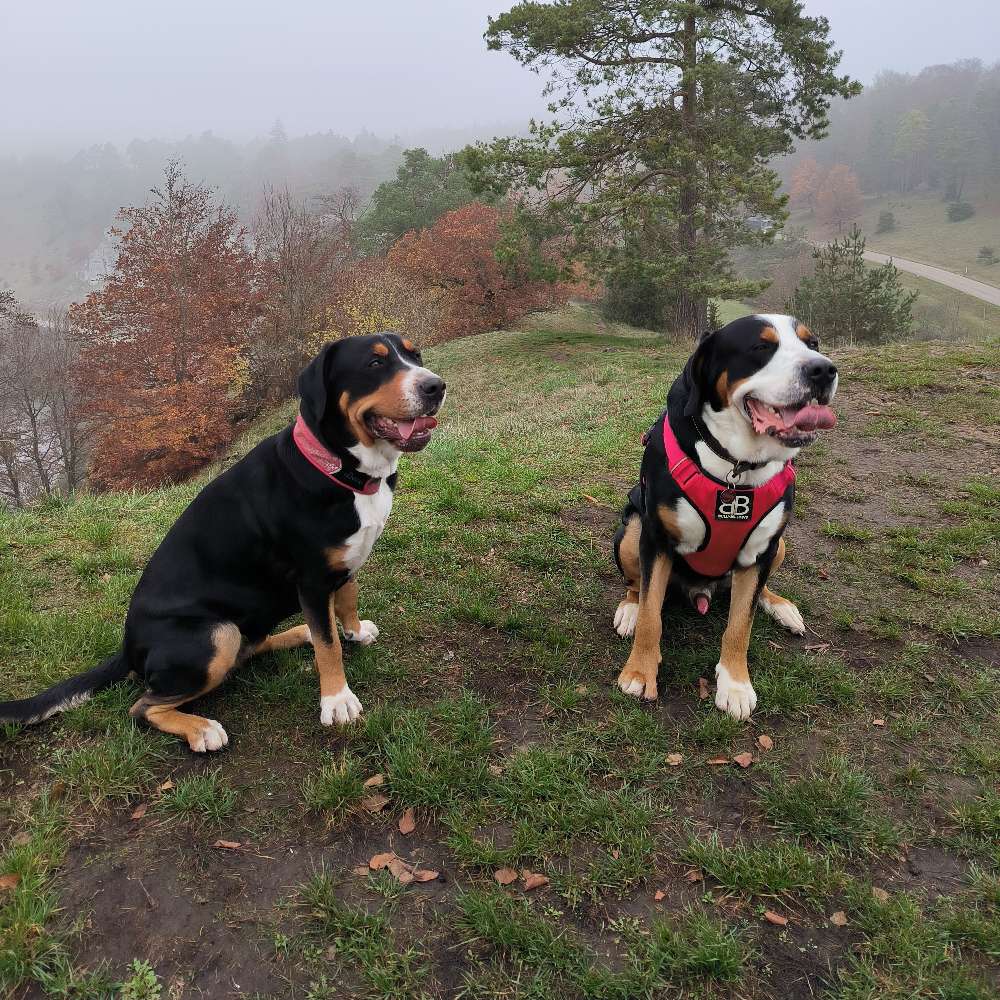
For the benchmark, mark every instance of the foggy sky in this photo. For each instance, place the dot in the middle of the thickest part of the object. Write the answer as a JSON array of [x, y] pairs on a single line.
[[76, 72]]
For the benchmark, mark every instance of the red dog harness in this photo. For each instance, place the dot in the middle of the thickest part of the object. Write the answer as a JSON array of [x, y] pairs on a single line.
[[319, 457], [730, 513]]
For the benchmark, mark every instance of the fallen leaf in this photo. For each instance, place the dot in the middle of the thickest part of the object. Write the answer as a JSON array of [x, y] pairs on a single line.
[[880, 894], [375, 781], [166, 786], [615, 853], [407, 823], [9, 881], [823, 573], [818, 647], [743, 759], [775, 918], [659, 895], [140, 810], [702, 688], [839, 919], [505, 876], [533, 880], [425, 875], [765, 742], [57, 790], [375, 803], [379, 861], [20, 839], [878, 722], [675, 759], [228, 845], [715, 761], [694, 875], [581, 689], [495, 769], [361, 870]]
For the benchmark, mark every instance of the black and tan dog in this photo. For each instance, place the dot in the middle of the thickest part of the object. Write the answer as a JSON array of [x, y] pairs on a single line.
[[286, 528], [716, 493]]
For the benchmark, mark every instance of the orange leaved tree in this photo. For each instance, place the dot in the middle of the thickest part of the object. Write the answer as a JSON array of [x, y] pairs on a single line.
[[159, 367], [839, 199]]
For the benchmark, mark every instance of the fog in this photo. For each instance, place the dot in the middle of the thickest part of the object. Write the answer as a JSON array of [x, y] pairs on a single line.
[[77, 73]]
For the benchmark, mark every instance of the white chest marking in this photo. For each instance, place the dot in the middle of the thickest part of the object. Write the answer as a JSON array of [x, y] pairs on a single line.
[[692, 528], [373, 512], [761, 536]]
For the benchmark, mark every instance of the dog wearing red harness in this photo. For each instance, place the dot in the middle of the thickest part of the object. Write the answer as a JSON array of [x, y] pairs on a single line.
[[716, 493]]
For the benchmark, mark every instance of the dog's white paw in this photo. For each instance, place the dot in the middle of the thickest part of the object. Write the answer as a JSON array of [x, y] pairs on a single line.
[[210, 737], [625, 618], [737, 698], [786, 614], [366, 634], [342, 707]]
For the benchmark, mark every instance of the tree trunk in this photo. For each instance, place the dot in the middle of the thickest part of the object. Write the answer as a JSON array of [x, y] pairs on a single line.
[[692, 310]]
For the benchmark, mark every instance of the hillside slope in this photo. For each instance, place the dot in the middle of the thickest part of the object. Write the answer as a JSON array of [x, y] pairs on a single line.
[[871, 826]]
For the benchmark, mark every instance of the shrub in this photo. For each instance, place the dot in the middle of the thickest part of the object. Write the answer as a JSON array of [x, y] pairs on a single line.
[[988, 256], [959, 211], [635, 298], [886, 222]]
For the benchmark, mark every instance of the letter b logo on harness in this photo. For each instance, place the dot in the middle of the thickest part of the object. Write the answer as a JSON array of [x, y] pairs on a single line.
[[732, 505]]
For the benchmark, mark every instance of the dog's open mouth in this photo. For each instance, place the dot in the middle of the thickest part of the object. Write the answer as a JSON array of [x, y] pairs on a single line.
[[795, 425], [406, 435]]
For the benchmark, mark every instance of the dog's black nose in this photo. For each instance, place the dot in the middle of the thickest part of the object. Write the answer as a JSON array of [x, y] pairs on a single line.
[[820, 373], [432, 389]]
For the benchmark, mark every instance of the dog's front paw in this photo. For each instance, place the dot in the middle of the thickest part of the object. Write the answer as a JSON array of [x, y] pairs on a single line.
[[365, 635], [342, 707], [784, 613], [737, 698], [638, 684], [625, 618], [207, 737]]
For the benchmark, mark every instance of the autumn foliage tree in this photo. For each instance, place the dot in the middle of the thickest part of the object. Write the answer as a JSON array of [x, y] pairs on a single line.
[[159, 365], [839, 199], [807, 181]]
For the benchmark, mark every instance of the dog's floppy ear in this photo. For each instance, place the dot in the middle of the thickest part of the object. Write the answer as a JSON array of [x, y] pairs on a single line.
[[313, 386], [694, 375]]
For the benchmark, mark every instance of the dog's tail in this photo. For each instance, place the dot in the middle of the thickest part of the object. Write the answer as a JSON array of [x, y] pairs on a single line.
[[66, 694]]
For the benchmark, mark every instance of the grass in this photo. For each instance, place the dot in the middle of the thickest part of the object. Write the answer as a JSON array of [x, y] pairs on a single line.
[[491, 711]]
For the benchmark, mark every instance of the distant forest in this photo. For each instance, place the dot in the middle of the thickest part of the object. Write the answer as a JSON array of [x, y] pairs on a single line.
[[938, 129], [56, 210]]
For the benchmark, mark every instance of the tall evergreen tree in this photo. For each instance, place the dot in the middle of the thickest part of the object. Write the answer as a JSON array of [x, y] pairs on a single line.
[[666, 116]]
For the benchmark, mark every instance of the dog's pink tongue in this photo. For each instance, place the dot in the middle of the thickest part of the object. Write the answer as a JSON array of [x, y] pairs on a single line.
[[407, 428], [812, 418]]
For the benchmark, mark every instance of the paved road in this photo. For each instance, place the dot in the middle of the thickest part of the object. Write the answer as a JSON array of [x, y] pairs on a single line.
[[977, 289]]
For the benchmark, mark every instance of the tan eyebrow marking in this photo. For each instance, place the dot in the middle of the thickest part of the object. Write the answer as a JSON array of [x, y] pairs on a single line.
[[381, 349], [803, 332], [409, 345], [769, 334]]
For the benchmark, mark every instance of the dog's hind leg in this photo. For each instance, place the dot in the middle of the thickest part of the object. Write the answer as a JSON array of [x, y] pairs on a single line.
[[346, 605], [176, 677], [289, 639], [782, 610], [626, 549]]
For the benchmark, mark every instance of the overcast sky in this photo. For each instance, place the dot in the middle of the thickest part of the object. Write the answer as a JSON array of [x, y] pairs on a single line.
[[74, 72]]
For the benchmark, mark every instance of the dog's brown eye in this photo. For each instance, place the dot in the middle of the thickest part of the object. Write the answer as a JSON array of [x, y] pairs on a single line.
[[376, 363]]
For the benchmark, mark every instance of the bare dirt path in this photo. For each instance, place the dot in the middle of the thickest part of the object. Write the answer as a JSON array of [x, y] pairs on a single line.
[[970, 286]]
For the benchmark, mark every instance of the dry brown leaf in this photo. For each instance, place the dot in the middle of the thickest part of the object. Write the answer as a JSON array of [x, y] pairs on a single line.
[[616, 853], [404, 876], [775, 918], [495, 769], [581, 689], [694, 875], [361, 870], [57, 790], [379, 861], [716, 761], [702, 688], [505, 876], [823, 573], [743, 759], [425, 875], [817, 647], [533, 880], [375, 781], [878, 722], [407, 823], [20, 839], [839, 919], [375, 803], [140, 810], [9, 881], [675, 759], [659, 895], [228, 845], [765, 742], [880, 894]]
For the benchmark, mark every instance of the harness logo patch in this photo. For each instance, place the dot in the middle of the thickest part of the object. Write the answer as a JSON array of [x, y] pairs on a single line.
[[733, 505]]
